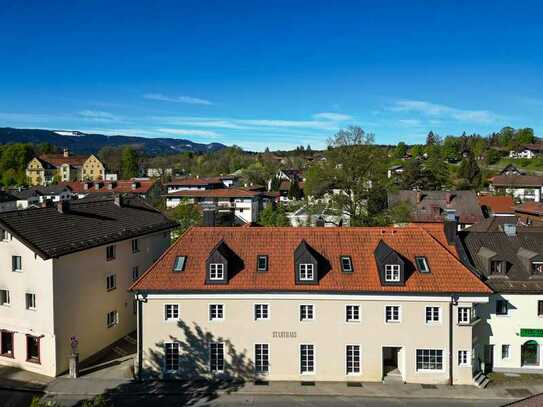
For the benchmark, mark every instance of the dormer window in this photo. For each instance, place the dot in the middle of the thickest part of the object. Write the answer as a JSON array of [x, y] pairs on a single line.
[[346, 264], [179, 264], [306, 272], [422, 264], [262, 263], [497, 267], [537, 268], [392, 273], [216, 271]]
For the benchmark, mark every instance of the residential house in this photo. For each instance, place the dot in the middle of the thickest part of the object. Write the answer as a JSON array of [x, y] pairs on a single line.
[[521, 187], [8, 202], [510, 260], [146, 188], [528, 151], [242, 203], [41, 196], [395, 171], [510, 170], [496, 205], [42, 170], [529, 211], [194, 184], [438, 206], [65, 273], [310, 304]]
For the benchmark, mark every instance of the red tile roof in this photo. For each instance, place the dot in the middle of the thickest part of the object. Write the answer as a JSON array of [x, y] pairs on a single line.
[[194, 181], [448, 274], [497, 204], [58, 159], [517, 181], [122, 186], [216, 193], [531, 208]]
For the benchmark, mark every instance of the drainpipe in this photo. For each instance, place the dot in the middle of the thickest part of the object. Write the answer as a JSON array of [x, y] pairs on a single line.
[[140, 299], [454, 301]]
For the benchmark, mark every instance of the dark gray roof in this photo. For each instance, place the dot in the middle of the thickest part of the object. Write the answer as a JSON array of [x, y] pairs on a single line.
[[7, 197], [518, 251], [431, 206], [25, 193], [83, 225], [495, 224]]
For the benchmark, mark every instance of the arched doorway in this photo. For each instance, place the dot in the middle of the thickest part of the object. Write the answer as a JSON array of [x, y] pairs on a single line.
[[529, 354]]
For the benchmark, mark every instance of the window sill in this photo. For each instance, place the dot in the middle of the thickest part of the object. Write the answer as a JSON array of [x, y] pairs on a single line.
[[430, 371], [355, 321], [34, 361], [392, 322], [7, 355]]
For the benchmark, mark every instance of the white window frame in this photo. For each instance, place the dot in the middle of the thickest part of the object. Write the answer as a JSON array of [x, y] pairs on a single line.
[[214, 270], [265, 258], [135, 246], [393, 321], [432, 321], [267, 307], [306, 269], [114, 280], [443, 361], [115, 319], [302, 306], [257, 371], [31, 306], [508, 347], [312, 372], [352, 320], [114, 251], [347, 360], [20, 268], [461, 354], [216, 306], [172, 318], [176, 344], [460, 315], [7, 303], [395, 273], [350, 262], [425, 267], [218, 371]]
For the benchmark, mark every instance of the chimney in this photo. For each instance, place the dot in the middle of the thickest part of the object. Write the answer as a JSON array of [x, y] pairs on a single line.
[[66, 152], [118, 200], [419, 196], [86, 185], [208, 218], [135, 185], [451, 228], [110, 186], [63, 206]]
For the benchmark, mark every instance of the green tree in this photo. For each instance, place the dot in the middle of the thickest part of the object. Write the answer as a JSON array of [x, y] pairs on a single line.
[[401, 150], [129, 163], [492, 156], [469, 173], [186, 215], [451, 149], [417, 150], [275, 183], [294, 191], [273, 216]]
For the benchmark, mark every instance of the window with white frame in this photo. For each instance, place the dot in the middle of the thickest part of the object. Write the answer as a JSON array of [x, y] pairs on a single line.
[[429, 359], [112, 319], [506, 351], [262, 263], [392, 313], [111, 281], [352, 313], [30, 300], [346, 264], [135, 245], [306, 272], [433, 315], [4, 235], [464, 314], [422, 264], [110, 252], [306, 312], [135, 273], [307, 359], [171, 312], [262, 358], [392, 273], [463, 358], [171, 356], [352, 353], [216, 271], [216, 312], [16, 263], [261, 312], [179, 264], [216, 357], [4, 297]]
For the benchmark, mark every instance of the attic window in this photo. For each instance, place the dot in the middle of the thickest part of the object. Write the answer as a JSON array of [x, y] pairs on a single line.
[[306, 272], [179, 264], [422, 264], [216, 271], [392, 273], [262, 263], [537, 268], [346, 264], [497, 267]]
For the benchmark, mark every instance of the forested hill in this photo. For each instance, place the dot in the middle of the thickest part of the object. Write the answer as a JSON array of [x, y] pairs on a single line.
[[81, 143]]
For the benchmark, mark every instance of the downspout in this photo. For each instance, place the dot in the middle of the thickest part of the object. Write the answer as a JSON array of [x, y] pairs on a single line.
[[454, 301], [140, 299]]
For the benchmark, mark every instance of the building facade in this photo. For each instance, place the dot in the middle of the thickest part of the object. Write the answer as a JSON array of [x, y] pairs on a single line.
[[310, 304], [66, 271]]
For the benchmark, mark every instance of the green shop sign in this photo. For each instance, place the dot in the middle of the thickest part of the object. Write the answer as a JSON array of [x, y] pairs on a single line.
[[531, 332]]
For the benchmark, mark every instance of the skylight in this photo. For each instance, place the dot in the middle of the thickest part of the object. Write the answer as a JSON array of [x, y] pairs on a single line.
[[422, 264], [179, 263], [346, 264]]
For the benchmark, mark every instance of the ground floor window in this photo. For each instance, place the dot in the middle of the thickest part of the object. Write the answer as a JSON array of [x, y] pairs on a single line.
[[6, 344], [429, 359], [353, 359], [216, 357], [506, 351], [32, 349], [171, 356], [307, 359], [530, 354], [463, 358], [262, 358]]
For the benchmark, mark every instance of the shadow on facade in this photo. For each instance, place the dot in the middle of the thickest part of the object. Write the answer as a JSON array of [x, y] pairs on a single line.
[[193, 383]]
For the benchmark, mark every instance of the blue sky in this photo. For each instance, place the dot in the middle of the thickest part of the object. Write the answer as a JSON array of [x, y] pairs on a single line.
[[271, 73]]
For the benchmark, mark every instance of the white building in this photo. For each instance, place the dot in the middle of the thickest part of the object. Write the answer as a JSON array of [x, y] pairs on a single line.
[[521, 187], [65, 273]]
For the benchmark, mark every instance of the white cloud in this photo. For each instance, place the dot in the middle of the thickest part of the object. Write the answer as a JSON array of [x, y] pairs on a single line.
[[443, 111], [336, 117], [190, 132], [177, 99], [99, 116]]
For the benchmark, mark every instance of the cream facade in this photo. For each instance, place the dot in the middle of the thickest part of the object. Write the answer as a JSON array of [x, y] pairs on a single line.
[[413, 349], [93, 169], [50, 301], [512, 333]]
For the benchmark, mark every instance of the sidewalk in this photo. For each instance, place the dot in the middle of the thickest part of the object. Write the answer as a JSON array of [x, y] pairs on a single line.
[[12, 378], [91, 386]]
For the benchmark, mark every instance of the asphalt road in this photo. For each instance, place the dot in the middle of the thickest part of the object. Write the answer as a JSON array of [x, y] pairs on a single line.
[[290, 401], [15, 398]]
